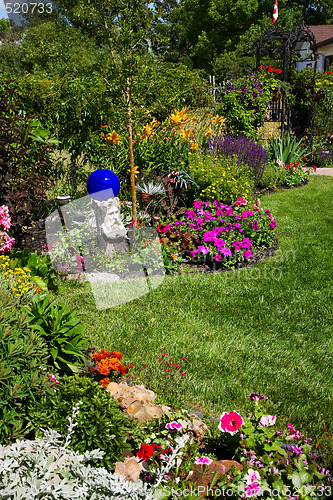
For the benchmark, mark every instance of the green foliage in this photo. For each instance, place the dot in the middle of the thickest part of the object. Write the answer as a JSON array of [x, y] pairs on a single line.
[[287, 149], [22, 353], [57, 48], [296, 175], [243, 103], [101, 424], [24, 163], [291, 175], [41, 270], [61, 331], [221, 178]]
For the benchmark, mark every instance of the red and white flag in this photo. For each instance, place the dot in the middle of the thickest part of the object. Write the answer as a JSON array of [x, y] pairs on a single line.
[[275, 12]]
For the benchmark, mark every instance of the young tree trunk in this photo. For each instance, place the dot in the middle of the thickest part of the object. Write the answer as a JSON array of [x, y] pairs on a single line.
[[132, 168]]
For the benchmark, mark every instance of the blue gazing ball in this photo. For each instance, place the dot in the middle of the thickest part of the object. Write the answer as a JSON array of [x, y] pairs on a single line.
[[103, 184]]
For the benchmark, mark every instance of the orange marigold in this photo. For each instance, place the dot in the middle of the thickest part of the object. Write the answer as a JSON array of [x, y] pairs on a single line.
[[114, 364], [103, 367], [116, 354], [104, 382], [92, 369]]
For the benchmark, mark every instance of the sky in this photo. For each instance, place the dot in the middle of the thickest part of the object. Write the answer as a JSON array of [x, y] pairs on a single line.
[[3, 13]]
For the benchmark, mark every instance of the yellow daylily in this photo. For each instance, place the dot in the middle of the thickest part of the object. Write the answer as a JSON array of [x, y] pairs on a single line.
[[184, 133], [113, 137], [136, 171], [219, 120], [179, 117], [148, 131], [194, 146]]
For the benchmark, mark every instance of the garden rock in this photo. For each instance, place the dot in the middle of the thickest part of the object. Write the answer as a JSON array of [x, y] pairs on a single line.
[[137, 401], [130, 469], [197, 427]]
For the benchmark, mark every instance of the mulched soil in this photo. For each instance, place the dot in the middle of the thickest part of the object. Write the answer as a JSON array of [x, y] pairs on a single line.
[[34, 239], [258, 191], [260, 254]]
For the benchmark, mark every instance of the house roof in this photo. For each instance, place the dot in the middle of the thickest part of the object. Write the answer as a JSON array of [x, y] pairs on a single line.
[[323, 34]]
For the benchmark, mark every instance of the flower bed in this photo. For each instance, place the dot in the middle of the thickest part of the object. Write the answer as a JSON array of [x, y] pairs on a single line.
[[220, 236]]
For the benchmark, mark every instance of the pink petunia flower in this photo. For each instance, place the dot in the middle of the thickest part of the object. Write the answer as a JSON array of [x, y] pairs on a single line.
[[174, 426], [230, 422], [203, 461]]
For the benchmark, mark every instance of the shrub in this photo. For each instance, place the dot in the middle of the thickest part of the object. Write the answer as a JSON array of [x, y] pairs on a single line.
[[100, 422], [41, 270], [243, 102], [223, 178], [22, 354], [247, 151], [323, 157], [24, 164], [61, 332]]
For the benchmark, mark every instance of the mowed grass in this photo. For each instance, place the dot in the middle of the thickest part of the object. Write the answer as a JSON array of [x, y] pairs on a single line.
[[265, 329]]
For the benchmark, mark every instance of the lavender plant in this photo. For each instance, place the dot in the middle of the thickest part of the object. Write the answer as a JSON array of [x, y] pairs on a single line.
[[247, 151]]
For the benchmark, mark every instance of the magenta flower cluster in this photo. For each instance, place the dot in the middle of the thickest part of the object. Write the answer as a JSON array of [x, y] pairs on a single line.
[[226, 233], [6, 241]]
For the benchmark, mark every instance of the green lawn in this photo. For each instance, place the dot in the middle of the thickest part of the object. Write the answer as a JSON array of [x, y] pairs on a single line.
[[265, 329]]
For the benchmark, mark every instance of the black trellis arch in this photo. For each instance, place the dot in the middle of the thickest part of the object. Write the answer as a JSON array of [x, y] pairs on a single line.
[[287, 46]]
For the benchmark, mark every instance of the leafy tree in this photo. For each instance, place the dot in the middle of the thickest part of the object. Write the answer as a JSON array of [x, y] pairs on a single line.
[[212, 34]]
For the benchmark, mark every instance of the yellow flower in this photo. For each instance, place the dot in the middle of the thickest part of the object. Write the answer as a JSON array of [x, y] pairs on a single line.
[[219, 120], [208, 133], [147, 131], [113, 137], [184, 133], [178, 118], [136, 171], [194, 146]]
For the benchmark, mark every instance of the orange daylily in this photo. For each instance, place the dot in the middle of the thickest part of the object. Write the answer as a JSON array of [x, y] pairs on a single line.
[[148, 131], [208, 133], [113, 137], [179, 117]]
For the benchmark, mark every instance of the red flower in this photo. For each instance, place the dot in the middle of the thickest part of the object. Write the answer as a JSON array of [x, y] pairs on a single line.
[[328, 72], [269, 69], [162, 228], [146, 451], [262, 67], [278, 71], [314, 168]]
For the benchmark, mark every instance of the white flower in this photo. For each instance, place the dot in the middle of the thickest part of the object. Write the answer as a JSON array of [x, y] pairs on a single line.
[[267, 420]]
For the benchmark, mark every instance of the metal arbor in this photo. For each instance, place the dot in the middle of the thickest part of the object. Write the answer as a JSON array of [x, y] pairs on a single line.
[[298, 45]]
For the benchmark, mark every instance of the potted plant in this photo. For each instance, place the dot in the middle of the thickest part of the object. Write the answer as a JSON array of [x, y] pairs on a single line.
[[149, 191]]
